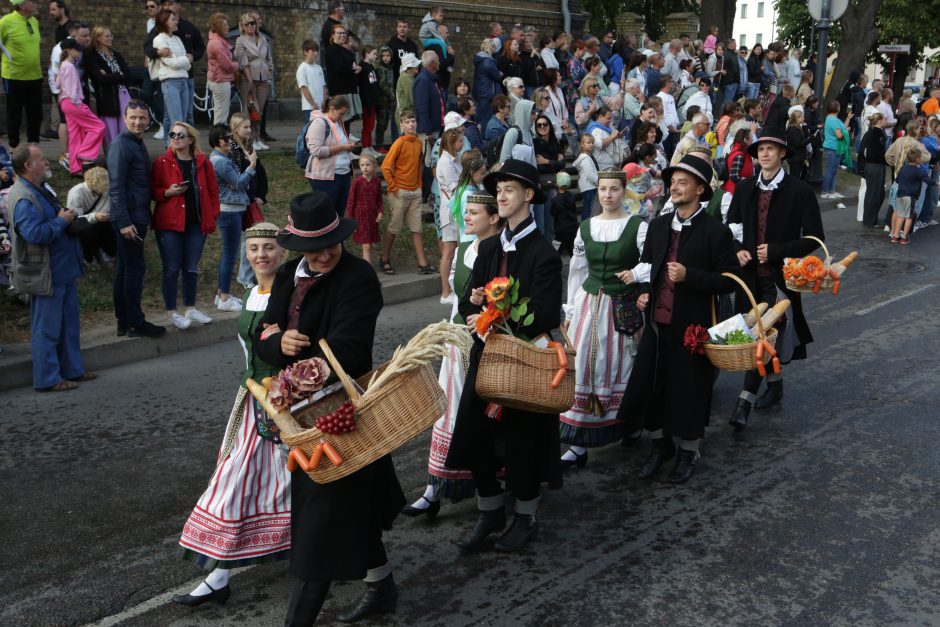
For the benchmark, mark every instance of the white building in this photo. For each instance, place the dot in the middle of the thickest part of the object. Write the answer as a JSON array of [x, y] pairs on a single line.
[[755, 22]]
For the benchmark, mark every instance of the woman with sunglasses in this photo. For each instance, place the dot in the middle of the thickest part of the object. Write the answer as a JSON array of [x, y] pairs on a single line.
[[342, 77], [257, 69], [588, 103], [172, 70], [550, 160], [184, 188], [109, 75]]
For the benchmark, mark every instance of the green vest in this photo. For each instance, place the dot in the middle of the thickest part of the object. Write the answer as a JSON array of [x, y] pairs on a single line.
[[713, 208], [605, 259], [461, 276], [257, 368]]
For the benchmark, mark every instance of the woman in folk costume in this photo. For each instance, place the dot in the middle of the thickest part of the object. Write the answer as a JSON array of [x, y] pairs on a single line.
[[243, 517], [602, 317], [482, 221]]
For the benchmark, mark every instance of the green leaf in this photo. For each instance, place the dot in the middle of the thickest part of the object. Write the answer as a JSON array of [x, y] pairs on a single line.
[[528, 320], [515, 314], [524, 301]]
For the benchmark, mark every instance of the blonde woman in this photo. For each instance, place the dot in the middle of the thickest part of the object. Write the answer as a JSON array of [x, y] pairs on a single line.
[[805, 90], [588, 103], [257, 69], [486, 81], [109, 75], [89, 200], [240, 151]]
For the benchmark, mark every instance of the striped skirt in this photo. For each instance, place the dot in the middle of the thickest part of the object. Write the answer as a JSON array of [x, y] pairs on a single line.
[[452, 484], [243, 517]]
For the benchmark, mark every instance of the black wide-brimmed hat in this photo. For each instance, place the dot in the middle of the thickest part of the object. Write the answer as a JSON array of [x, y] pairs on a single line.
[[313, 224], [516, 170], [773, 135], [697, 167]]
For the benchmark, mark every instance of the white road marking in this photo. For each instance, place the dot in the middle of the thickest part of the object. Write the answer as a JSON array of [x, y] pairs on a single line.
[[868, 310]]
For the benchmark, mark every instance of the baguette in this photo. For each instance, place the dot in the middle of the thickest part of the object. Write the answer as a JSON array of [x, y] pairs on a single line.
[[750, 318], [284, 421], [773, 314]]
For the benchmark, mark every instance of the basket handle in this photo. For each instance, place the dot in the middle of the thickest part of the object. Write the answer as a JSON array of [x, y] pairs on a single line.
[[825, 249], [760, 325], [348, 383], [564, 336]]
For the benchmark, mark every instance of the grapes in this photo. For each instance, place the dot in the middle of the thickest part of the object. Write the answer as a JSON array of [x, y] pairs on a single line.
[[340, 420]]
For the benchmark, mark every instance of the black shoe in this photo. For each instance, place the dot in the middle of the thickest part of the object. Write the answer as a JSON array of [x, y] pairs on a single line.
[[219, 596], [685, 465], [663, 450], [146, 329], [431, 510], [580, 460], [524, 528], [629, 441], [379, 598], [50, 134], [739, 416], [489, 522], [770, 396], [121, 329]]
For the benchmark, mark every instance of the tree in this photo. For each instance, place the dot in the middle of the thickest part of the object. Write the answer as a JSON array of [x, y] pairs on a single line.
[[718, 13], [604, 12]]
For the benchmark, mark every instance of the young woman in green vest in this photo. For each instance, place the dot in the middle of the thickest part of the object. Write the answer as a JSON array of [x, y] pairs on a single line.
[[600, 317], [481, 221]]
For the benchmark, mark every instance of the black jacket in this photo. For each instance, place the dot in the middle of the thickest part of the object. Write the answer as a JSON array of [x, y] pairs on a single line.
[[706, 250], [106, 84], [531, 68], [333, 524], [794, 213], [732, 75], [565, 212], [192, 41], [326, 31], [399, 49], [508, 67], [778, 113], [368, 85], [340, 77], [872, 148], [755, 69], [797, 140]]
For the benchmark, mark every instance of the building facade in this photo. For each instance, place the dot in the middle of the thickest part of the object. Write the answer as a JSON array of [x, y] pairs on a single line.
[[755, 22]]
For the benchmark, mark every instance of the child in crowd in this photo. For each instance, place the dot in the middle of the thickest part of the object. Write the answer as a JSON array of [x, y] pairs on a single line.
[[565, 214], [401, 170], [587, 175], [909, 181], [369, 93], [310, 80], [385, 108], [711, 41], [365, 205], [431, 24]]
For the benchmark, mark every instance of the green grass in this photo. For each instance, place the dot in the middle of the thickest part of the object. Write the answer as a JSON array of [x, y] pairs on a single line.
[[286, 180]]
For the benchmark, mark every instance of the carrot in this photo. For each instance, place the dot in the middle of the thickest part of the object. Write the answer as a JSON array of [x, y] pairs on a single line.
[[331, 452], [297, 458], [776, 361], [558, 378], [317, 456]]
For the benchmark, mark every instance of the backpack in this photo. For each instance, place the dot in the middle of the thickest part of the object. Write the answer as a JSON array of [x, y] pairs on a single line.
[[495, 147], [301, 150], [722, 171]]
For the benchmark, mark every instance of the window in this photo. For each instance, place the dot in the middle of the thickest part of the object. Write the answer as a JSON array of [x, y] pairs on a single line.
[[743, 11], [759, 38], [742, 40], [760, 9]]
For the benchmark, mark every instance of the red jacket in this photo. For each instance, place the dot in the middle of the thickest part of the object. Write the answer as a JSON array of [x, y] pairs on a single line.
[[169, 214], [747, 168]]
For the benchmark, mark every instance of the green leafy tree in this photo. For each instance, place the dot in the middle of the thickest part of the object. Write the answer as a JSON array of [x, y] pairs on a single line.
[[605, 12]]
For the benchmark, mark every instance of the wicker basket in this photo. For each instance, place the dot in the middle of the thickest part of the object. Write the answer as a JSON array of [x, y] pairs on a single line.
[[401, 409], [825, 284], [517, 374], [739, 357]]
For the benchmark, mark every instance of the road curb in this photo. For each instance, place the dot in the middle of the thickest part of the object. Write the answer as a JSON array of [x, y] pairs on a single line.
[[101, 349]]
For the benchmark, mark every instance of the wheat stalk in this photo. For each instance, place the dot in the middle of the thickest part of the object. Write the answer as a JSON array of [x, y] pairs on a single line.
[[429, 344]]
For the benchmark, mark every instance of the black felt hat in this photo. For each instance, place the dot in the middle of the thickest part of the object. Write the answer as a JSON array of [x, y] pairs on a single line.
[[697, 167], [773, 135], [516, 170], [313, 224]]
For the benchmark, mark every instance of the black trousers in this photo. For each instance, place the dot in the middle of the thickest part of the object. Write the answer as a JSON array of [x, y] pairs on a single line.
[[23, 95], [797, 168], [521, 457], [874, 192], [766, 293]]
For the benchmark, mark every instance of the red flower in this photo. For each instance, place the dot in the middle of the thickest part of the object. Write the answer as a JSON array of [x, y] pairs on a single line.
[[279, 393], [307, 376], [695, 339], [489, 316]]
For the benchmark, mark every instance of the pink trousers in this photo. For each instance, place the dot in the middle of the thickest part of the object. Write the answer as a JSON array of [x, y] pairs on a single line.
[[86, 132]]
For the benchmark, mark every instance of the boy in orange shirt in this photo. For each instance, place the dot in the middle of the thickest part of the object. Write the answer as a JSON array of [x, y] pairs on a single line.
[[401, 170]]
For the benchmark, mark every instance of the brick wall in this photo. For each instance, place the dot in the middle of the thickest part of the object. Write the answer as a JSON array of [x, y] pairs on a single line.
[[289, 22]]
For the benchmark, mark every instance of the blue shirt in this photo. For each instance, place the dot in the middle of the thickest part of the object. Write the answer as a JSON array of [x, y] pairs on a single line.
[[42, 225], [830, 141]]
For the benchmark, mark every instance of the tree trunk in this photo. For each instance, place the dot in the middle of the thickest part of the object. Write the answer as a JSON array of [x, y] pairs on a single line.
[[859, 34], [902, 67], [718, 13]]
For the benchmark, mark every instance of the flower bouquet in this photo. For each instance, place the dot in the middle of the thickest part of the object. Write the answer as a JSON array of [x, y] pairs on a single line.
[[812, 274]]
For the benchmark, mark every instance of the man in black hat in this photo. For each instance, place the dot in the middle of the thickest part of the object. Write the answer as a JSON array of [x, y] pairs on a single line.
[[336, 528], [770, 215], [670, 388], [530, 440]]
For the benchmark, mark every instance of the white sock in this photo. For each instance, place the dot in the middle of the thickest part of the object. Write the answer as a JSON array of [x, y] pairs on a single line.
[[218, 578], [430, 493], [573, 452], [374, 575], [689, 445]]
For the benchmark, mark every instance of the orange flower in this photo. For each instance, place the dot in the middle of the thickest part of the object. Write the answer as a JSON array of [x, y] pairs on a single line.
[[486, 320], [811, 268], [496, 289]]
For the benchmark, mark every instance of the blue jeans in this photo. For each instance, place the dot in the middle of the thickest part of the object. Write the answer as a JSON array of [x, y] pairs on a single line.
[[246, 276], [337, 190], [728, 92], [55, 334], [832, 166], [930, 198], [307, 116], [177, 103], [587, 202], [753, 89], [230, 229], [394, 123], [129, 279], [180, 251]]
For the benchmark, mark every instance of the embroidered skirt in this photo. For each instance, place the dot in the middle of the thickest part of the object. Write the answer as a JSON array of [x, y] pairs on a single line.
[[448, 483]]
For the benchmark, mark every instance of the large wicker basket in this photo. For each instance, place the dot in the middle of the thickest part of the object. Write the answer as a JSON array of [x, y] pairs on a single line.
[[517, 374], [401, 409], [739, 357]]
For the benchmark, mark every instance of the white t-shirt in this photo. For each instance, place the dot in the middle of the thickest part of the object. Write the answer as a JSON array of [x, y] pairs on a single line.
[[311, 77]]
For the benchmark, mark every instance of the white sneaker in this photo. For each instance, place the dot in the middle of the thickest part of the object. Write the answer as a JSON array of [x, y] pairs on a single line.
[[232, 304], [836, 195], [259, 145], [825, 195], [932, 223], [159, 134], [180, 322], [919, 225], [197, 316], [887, 228]]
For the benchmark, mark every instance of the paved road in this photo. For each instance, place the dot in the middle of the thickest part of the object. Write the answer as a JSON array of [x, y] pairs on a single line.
[[825, 511]]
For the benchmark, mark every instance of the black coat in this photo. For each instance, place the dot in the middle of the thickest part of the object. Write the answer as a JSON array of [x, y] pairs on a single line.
[[333, 524], [706, 249], [778, 113], [793, 214], [508, 67], [106, 84], [340, 77], [537, 266]]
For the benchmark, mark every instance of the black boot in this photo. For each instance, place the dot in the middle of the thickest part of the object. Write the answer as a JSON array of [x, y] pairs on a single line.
[[663, 450], [380, 597], [490, 521], [770, 396], [524, 528], [685, 466], [739, 416]]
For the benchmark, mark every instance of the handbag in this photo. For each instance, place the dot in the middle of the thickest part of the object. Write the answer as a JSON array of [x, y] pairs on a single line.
[[154, 68], [628, 319], [252, 215]]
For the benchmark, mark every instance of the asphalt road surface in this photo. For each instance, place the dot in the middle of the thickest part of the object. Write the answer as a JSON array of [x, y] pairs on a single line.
[[826, 510]]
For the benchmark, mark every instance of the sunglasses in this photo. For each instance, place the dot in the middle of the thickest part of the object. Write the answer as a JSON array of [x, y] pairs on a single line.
[[151, 6], [248, 23], [541, 125], [175, 135], [594, 86]]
